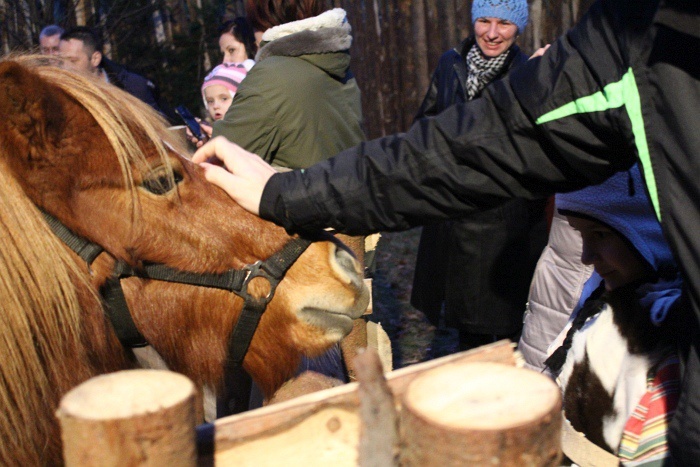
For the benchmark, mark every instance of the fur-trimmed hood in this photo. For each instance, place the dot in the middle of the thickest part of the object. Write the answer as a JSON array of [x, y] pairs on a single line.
[[326, 33]]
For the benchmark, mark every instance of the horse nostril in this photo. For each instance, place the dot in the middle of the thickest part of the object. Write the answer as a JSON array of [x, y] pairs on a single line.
[[346, 260]]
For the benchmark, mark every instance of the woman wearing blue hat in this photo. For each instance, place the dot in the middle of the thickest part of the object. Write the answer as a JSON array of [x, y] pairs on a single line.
[[479, 268]]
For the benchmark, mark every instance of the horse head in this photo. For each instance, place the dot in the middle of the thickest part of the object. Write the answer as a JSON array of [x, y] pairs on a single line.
[[104, 165]]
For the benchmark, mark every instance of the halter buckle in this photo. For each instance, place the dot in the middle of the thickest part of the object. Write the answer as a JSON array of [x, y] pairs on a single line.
[[258, 269]]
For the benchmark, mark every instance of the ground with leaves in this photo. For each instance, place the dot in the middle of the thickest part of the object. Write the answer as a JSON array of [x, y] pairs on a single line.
[[413, 338]]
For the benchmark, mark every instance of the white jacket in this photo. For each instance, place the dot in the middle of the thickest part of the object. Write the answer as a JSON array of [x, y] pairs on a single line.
[[554, 292]]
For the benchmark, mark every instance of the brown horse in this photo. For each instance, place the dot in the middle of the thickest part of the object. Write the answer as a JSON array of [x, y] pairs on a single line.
[[103, 164]]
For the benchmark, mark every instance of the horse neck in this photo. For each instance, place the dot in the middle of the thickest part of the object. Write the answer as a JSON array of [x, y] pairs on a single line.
[[60, 361], [194, 338], [270, 367]]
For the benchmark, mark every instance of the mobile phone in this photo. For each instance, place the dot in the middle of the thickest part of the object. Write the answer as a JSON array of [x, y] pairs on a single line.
[[190, 121]]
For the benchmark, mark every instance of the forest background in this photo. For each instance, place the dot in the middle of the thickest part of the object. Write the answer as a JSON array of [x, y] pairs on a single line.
[[397, 43]]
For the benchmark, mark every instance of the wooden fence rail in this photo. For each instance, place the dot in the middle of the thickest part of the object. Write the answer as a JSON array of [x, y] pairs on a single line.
[[472, 408]]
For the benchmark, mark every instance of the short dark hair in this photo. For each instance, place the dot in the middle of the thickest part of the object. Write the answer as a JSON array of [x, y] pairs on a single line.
[[264, 14], [242, 30], [51, 30], [89, 37]]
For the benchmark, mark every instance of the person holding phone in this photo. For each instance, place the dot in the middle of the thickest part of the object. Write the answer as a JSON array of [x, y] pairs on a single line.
[[614, 89], [220, 86], [218, 89]]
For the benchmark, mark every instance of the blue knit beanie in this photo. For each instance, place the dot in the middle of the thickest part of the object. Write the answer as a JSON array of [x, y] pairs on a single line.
[[514, 11], [622, 203]]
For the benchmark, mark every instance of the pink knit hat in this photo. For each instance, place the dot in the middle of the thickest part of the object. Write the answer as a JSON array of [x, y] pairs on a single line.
[[229, 75]]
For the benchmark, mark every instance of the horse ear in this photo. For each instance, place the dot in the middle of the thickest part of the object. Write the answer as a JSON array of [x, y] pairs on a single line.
[[31, 108]]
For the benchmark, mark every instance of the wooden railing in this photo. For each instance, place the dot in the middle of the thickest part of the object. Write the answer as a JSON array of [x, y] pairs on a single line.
[[472, 408]]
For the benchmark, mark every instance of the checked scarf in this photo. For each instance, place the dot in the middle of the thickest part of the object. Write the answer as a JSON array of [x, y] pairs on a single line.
[[482, 70]]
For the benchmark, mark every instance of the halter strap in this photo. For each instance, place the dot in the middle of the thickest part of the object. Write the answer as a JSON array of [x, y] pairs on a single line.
[[87, 250], [237, 280], [113, 298], [234, 280]]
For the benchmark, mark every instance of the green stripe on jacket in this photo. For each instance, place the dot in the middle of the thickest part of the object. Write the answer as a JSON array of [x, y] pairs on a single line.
[[614, 95]]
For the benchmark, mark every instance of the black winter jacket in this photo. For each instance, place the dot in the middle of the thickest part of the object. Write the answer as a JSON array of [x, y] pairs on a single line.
[[477, 268], [622, 85], [134, 84]]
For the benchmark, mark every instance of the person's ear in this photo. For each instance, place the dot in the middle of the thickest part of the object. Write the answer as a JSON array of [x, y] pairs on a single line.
[[96, 58]]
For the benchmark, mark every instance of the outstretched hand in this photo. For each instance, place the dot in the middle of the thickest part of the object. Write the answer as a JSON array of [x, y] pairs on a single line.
[[244, 176]]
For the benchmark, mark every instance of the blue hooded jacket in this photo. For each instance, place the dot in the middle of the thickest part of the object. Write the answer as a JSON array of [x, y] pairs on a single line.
[[622, 203]]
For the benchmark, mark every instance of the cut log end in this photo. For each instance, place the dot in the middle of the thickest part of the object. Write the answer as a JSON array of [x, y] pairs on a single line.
[[135, 417], [126, 394], [481, 413]]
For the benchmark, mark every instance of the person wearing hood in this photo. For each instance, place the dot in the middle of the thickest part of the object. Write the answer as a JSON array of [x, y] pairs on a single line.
[[478, 268], [300, 103], [618, 363]]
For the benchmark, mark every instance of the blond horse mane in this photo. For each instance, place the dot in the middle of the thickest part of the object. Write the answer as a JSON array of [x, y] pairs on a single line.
[[40, 321], [41, 285]]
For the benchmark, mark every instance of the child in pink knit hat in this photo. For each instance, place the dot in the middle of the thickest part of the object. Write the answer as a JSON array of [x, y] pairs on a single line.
[[220, 86]]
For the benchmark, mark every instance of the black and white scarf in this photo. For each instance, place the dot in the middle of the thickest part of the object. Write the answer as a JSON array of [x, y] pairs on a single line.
[[482, 70]]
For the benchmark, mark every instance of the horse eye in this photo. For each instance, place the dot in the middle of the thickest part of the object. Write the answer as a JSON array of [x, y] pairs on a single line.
[[161, 184]]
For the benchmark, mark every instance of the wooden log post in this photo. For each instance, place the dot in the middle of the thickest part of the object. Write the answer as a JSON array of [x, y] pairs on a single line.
[[480, 414], [379, 433], [323, 428], [130, 418], [357, 339]]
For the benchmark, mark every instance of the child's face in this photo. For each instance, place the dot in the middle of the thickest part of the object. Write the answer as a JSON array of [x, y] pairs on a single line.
[[218, 100], [611, 256]]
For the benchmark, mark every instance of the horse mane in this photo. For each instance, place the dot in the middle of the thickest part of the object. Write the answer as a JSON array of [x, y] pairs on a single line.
[[40, 322], [45, 295]]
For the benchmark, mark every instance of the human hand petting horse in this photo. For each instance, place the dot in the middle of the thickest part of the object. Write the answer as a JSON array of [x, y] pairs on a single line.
[[82, 158], [243, 175]]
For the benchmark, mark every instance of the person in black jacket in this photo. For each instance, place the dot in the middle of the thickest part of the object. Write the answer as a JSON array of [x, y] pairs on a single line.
[[613, 90], [81, 50], [480, 266]]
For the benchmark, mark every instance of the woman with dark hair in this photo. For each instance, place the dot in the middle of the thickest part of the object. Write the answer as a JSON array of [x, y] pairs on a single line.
[[238, 47], [264, 15], [237, 42]]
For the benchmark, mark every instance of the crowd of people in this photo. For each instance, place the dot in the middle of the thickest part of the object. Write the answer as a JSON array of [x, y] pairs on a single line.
[[603, 118]]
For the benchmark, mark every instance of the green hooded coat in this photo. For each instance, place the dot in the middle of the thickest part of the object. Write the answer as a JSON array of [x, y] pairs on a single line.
[[299, 104]]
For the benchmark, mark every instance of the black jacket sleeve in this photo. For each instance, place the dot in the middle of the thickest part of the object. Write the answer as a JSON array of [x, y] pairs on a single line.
[[478, 154]]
